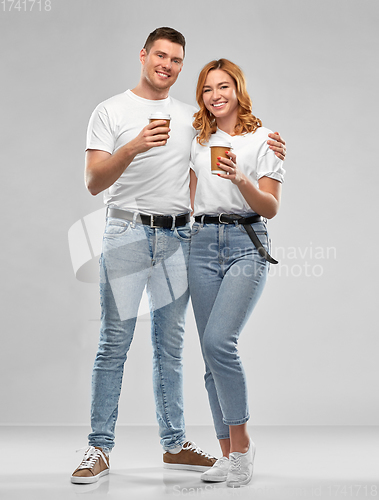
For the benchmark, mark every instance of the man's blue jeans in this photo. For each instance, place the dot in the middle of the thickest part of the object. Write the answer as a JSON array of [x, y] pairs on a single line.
[[135, 256], [226, 277]]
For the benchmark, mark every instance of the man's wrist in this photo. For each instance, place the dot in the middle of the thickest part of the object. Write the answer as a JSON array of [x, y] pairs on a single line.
[[130, 150]]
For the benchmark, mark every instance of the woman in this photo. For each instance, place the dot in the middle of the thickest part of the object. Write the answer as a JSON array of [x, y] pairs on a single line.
[[227, 272]]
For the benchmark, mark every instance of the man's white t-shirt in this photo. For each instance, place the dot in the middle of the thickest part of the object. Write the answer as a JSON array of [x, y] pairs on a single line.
[[215, 195], [156, 181]]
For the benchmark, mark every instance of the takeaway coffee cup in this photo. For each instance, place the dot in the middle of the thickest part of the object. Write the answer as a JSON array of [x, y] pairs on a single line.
[[218, 148], [160, 116]]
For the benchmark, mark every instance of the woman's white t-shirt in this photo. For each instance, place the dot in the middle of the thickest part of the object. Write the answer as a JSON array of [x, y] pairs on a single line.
[[215, 195]]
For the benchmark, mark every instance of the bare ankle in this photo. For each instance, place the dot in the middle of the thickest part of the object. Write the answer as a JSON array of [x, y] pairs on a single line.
[[225, 447]]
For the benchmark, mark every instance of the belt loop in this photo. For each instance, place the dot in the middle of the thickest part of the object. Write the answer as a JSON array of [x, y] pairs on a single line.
[[135, 215], [219, 218], [173, 222], [202, 220], [152, 225]]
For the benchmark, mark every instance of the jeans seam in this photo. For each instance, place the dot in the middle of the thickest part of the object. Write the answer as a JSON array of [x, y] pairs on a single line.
[[160, 366]]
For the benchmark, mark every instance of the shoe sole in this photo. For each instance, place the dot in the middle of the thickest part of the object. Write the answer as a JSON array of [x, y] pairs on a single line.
[[89, 480], [196, 468], [237, 484], [232, 484], [210, 479]]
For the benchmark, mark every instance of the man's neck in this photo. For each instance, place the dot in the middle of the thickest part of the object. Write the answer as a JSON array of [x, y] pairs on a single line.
[[147, 92]]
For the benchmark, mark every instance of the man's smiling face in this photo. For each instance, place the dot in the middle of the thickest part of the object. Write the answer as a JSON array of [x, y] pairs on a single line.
[[162, 65]]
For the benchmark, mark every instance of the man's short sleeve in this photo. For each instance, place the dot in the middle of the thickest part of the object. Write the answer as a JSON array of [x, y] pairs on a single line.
[[194, 148], [99, 133]]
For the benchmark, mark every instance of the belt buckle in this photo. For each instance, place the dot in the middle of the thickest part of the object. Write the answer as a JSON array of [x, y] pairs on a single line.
[[152, 222], [219, 218]]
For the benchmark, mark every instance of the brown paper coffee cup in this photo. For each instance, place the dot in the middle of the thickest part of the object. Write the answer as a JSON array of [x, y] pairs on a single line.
[[160, 116], [218, 149]]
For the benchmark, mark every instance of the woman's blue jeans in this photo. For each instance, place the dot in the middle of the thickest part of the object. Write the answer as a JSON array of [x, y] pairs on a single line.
[[226, 277], [135, 256]]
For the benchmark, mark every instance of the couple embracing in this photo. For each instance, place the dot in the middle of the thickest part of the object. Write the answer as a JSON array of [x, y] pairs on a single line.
[[152, 176]]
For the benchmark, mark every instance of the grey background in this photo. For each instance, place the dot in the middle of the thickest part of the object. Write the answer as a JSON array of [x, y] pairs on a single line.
[[311, 347]]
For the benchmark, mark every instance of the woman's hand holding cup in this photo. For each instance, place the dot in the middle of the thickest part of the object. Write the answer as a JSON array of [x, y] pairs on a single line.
[[230, 167]]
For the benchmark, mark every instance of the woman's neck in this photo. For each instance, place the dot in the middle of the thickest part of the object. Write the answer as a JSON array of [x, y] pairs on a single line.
[[227, 124]]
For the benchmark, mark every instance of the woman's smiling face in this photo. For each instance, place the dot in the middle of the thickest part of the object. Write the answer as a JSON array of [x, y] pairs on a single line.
[[220, 94]]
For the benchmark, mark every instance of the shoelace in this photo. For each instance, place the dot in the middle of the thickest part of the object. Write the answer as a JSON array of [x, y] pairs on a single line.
[[191, 446], [219, 462], [90, 458], [235, 463]]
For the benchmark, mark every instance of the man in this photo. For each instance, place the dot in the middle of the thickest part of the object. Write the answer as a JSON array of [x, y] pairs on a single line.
[[144, 173]]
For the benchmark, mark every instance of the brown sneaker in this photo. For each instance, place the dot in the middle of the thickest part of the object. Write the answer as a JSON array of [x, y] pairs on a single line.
[[189, 458], [95, 464]]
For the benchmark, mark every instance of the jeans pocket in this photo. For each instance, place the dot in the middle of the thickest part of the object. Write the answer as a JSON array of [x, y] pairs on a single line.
[[259, 228], [261, 232], [195, 228], [183, 232], [116, 227], [263, 238]]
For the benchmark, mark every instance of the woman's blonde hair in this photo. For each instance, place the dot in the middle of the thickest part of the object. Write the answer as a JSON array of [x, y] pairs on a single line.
[[205, 122]]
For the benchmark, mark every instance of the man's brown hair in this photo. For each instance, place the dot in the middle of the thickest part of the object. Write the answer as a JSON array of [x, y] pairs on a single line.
[[165, 34]]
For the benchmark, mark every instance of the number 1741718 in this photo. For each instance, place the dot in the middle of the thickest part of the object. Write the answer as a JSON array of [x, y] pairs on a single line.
[[26, 5]]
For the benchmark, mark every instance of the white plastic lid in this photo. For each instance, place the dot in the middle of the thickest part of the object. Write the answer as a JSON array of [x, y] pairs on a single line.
[[158, 115], [220, 142]]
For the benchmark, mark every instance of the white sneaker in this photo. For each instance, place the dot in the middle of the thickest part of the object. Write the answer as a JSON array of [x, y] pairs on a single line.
[[217, 472], [241, 467]]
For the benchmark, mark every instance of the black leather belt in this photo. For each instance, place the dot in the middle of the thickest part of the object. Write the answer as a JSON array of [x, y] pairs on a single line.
[[245, 222], [153, 220], [227, 219]]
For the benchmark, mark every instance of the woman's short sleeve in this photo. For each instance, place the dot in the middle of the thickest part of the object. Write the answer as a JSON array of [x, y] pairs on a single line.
[[269, 165]]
